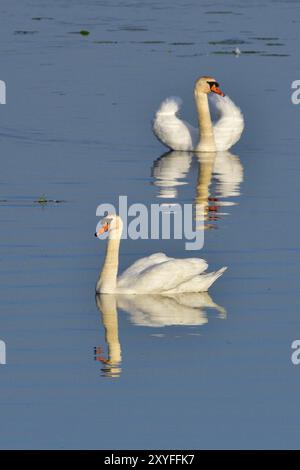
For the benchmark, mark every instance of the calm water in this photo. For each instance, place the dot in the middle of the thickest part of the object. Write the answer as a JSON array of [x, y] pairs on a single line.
[[206, 372]]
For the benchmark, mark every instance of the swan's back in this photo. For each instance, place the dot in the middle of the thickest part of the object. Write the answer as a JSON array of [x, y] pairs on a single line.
[[169, 129], [229, 127], [162, 276], [131, 274]]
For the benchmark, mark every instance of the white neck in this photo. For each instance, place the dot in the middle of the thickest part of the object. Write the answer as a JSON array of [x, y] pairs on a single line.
[[206, 133], [107, 281]]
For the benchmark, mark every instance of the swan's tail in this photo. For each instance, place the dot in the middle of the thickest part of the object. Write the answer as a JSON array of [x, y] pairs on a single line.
[[210, 278]]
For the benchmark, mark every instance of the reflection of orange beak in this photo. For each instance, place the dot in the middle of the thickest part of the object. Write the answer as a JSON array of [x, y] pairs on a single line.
[[217, 90], [102, 230]]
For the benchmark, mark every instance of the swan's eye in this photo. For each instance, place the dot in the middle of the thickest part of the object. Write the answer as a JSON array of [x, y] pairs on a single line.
[[216, 84], [106, 221]]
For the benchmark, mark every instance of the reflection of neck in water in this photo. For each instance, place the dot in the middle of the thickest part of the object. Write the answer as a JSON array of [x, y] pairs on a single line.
[[151, 311], [205, 170], [221, 168], [169, 170], [107, 306]]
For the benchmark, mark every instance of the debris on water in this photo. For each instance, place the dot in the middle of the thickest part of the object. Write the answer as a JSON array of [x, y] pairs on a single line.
[[25, 32], [274, 44], [151, 42], [83, 32], [228, 12], [43, 200], [105, 42], [237, 51], [40, 18], [182, 43]]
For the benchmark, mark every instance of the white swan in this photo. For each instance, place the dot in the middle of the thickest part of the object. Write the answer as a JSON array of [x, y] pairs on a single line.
[[180, 135], [154, 274]]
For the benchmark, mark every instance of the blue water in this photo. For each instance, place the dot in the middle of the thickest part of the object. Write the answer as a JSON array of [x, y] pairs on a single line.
[[75, 133]]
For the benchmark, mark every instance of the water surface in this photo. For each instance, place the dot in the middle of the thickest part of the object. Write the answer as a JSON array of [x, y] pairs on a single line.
[[209, 372]]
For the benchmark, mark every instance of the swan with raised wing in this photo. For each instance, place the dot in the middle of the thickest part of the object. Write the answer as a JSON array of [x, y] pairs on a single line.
[[157, 273], [209, 137]]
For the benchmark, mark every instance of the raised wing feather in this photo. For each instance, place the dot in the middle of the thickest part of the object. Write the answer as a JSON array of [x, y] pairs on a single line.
[[230, 125], [169, 129]]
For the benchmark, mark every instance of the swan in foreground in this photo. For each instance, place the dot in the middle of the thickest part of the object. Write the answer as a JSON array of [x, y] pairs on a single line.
[[180, 135], [157, 273]]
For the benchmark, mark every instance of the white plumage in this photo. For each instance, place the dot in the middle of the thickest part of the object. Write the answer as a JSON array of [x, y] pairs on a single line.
[[160, 274], [154, 274], [170, 130], [178, 134]]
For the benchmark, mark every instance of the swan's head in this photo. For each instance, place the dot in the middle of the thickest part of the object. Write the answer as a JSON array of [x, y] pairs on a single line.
[[208, 85], [113, 224]]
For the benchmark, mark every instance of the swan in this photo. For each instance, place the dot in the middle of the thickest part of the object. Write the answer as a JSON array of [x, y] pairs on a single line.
[[153, 274], [180, 135]]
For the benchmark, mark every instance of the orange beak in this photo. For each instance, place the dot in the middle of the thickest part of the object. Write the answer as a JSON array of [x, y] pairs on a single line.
[[217, 90], [102, 230]]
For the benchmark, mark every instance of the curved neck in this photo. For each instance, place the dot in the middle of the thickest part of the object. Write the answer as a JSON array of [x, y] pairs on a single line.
[[206, 132], [107, 281]]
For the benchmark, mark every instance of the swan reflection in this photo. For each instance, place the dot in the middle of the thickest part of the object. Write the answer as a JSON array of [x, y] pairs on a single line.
[[220, 175], [169, 171], [107, 305], [155, 311]]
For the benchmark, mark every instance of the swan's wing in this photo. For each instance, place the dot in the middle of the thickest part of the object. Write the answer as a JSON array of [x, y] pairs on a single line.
[[169, 129], [140, 265], [230, 125], [198, 283], [166, 275]]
